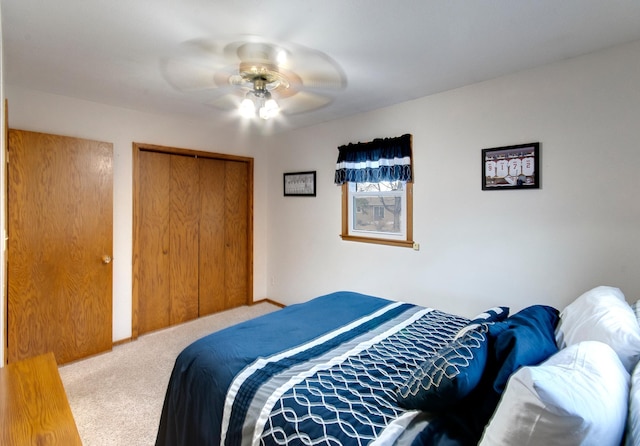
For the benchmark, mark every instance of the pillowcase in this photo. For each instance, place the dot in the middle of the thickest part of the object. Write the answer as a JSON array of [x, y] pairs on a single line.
[[633, 418], [495, 314], [578, 396], [602, 314], [635, 307], [446, 377], [526, 338]]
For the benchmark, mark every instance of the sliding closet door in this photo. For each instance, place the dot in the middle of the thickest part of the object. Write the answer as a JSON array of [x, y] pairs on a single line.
[[184, 237], [212, 236], [236, 234], [224, 235], [154, 186], [169, 223], [192, 239]]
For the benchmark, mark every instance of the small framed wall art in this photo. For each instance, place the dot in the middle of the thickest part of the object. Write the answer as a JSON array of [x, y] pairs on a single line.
[[300, 184], [511, 167]]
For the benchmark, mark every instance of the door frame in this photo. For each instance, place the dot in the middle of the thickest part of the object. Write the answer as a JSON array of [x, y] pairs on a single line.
[[144, 147], [4, 356]]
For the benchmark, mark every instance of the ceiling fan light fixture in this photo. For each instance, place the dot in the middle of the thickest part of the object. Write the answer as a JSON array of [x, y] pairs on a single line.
[[281, 57], [247, 107], [259, 101], [270, 109]]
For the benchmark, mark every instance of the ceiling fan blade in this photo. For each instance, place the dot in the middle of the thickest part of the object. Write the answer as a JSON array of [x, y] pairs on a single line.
[[261, 52], [304, 101], [203, 49], [316, 69], [222, 71], [326, 80], [229, 77], [234, 79], [230, 101], [248, 47], [312, 68], [187, 76]]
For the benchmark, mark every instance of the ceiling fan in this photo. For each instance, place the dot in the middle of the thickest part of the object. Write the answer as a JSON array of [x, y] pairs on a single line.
[[254, 76]]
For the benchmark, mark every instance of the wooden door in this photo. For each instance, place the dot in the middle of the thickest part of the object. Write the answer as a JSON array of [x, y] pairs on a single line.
[[184, 236], [224, 235], [236, 234], [60, 227], [212, 253], [153, 241], [169, 232]]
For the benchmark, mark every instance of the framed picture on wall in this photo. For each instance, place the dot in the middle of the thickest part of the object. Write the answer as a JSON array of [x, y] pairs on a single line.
[[300, 184], [511, 167]]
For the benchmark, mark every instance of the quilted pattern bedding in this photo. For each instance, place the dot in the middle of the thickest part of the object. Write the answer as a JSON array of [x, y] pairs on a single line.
[[323, 372]]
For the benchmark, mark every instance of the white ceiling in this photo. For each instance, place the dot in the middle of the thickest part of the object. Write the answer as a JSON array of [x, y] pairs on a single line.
[[111, 51]]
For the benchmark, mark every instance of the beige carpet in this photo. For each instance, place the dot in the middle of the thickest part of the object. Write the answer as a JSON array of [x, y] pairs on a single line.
[[116, 398]]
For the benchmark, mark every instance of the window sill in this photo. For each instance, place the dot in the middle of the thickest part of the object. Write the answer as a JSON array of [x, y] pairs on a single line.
[[378, 241]]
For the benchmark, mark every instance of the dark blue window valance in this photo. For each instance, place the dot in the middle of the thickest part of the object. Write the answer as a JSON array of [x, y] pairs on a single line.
[[387, 159]]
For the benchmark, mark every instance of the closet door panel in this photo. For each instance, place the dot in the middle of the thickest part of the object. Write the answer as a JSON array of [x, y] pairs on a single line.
[[193, 235], [212, 227], [236, 233], [184, 236], [154, 210]]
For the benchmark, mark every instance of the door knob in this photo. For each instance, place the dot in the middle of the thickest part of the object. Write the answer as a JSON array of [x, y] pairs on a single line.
[[106, 259]]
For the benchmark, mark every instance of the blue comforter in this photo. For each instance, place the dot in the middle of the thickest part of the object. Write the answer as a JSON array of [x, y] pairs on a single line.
[[322, 372]]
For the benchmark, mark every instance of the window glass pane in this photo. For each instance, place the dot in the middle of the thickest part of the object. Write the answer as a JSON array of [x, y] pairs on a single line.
[[384, 186], [378, 212], [382, 213]]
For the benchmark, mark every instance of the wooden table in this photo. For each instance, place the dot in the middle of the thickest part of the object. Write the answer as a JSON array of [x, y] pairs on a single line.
[[34, 409]]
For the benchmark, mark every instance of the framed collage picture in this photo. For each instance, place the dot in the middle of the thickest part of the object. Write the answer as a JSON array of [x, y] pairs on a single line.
[[511, 167], [300, 184]]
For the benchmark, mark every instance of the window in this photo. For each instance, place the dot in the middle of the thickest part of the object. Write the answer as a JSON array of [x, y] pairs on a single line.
[[378, 212], [377, 191]]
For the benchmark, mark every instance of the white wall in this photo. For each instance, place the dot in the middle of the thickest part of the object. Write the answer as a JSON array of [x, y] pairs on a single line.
[[480, 248], [36, 111]]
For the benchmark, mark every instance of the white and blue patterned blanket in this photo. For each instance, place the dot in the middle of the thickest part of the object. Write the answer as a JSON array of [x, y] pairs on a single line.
[[335, 387]]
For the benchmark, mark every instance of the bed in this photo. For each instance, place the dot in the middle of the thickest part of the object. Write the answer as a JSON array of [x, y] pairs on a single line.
[[353, 369]]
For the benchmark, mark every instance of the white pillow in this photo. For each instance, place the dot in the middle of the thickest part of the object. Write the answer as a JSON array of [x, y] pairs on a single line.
[[578, 396], [633, 419], [602, 314], [635, 307]]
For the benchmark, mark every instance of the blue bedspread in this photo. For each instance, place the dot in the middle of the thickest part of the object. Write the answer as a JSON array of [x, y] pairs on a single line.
[[322, 372]]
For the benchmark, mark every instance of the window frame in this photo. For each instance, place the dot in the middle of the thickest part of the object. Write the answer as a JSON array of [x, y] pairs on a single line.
[[346, 209]]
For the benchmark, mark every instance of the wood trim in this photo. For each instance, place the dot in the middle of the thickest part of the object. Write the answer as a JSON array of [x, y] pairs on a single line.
[[139, 147], [190, 152], [249, 162], [5, 264], [122, 342], [269, 301], [135, 253], [378, 241], [410, 213], [345, 210]]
